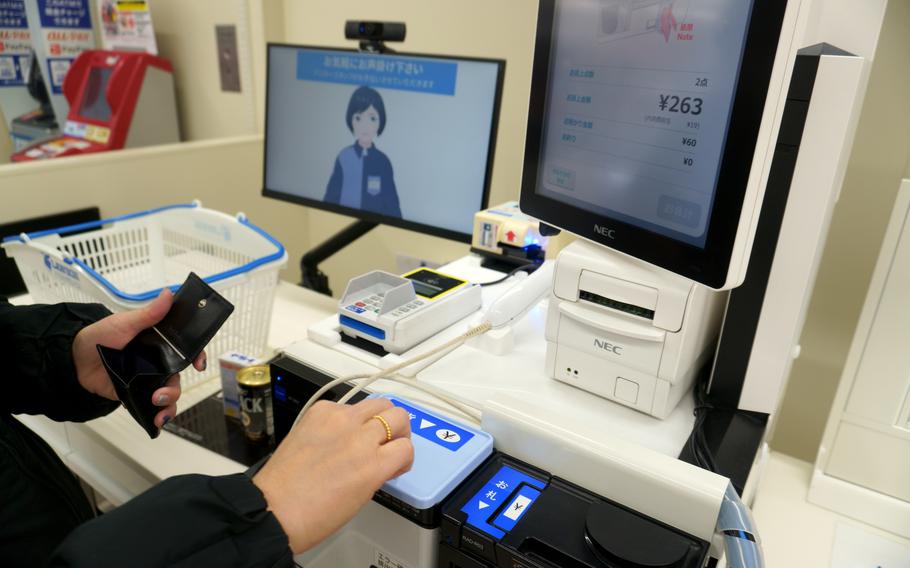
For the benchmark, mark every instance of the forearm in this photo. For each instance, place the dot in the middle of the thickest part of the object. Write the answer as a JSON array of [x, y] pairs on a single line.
[[190, 520], [38, 369]]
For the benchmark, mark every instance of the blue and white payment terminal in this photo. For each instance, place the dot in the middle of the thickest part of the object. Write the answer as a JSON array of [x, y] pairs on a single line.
[[398, 312], [446, 452]]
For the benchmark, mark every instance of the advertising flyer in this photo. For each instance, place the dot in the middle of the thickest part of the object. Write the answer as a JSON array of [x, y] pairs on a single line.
[[126, 25], [66, 29], [15, 44]]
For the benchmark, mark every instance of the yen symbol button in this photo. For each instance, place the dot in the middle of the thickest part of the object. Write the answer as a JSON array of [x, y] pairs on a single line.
[[448, 436]]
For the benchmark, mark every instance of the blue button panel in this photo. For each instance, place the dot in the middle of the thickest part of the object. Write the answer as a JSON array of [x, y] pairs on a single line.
[[445, 454], [497, 491], [434, 429]]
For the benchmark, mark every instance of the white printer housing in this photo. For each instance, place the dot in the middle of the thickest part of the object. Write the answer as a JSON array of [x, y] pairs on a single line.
[[628, 331]]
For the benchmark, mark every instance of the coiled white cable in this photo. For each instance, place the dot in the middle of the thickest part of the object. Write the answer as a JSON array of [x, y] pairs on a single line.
[[389, 374]]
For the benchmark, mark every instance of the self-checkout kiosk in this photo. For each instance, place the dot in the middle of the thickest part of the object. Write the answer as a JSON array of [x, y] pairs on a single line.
[[695, 192], [117, 100]]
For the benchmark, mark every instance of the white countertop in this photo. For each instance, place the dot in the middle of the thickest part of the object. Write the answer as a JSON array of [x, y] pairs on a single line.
[[475, 376], [116, 456], [115, 452]]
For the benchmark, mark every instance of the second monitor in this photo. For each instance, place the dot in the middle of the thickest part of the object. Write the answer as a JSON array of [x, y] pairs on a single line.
[[404, 140]]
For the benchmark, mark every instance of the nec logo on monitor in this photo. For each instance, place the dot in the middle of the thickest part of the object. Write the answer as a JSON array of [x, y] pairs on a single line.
[[604, 231]]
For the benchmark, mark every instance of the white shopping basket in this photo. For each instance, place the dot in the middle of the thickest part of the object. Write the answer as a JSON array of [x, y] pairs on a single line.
[[125, 262]]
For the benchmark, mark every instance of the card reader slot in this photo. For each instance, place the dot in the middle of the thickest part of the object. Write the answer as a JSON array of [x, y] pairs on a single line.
[[596, 319], [624, 307], [362, 327]]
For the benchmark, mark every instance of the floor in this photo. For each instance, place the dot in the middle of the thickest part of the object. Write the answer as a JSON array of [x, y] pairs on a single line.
[[797, 533]]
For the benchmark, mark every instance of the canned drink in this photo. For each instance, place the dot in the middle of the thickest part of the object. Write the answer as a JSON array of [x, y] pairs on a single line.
[[255, 388]]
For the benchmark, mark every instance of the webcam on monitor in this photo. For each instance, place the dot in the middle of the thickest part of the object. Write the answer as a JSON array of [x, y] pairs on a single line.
[[375, 31]]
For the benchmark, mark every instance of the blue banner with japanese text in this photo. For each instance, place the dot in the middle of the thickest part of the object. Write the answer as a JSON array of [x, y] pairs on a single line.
[[379, 71], [15, 44], [65, 14]]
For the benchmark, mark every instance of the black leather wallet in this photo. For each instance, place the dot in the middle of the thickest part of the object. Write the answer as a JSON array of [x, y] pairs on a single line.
[[157, 353]]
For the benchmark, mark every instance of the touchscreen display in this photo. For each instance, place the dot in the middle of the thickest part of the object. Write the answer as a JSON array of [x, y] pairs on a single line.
[[639, 99]]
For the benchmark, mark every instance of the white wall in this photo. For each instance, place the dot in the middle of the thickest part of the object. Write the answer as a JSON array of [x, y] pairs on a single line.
[[6, 143], [266, 25], [185, 32], [848, 24]]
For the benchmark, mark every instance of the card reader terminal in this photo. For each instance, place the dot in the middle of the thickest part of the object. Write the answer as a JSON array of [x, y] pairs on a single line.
[[512, 514], [398, 312]]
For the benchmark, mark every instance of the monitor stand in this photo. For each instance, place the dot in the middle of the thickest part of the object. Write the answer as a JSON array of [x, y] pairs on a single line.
[[310, 275]]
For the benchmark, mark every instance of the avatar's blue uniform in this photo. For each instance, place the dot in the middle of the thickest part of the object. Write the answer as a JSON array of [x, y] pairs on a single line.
[[363, 179]]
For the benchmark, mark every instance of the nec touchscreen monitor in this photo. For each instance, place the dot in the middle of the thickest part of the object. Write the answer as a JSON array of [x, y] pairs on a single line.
[[644, 119], [400, 139]]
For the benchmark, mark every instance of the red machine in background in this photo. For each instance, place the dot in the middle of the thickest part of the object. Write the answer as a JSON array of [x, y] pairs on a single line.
[[117, 100]]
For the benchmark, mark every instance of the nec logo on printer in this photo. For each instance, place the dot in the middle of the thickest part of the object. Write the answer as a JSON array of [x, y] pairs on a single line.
[[604, 231], [607, 346]]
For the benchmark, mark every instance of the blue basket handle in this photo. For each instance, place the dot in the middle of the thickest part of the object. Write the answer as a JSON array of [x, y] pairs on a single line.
[[95, 224], [152, 294]]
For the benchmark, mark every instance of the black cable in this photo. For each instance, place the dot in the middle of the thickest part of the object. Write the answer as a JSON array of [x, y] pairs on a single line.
[[698, 443], [511, 273]]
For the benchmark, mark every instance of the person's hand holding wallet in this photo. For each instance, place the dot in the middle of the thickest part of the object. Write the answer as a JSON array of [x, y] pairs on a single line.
[[135, 356]]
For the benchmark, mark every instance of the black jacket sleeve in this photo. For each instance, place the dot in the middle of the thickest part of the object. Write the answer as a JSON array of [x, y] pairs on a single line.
[[184, 521], [38, 374]]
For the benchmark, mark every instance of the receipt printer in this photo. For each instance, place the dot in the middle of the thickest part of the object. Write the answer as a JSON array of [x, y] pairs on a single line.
[[117, 100], [628, 331], [400, 527], [512, 514]]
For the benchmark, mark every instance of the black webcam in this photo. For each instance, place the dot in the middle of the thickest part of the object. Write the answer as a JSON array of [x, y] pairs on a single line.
[[375, 31]]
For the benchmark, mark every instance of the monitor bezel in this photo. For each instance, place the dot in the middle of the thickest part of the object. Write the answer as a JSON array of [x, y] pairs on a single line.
[[374, 217], [709, 265]]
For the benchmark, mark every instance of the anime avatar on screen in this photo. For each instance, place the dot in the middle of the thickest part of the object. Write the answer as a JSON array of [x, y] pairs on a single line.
[[362, 177]]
